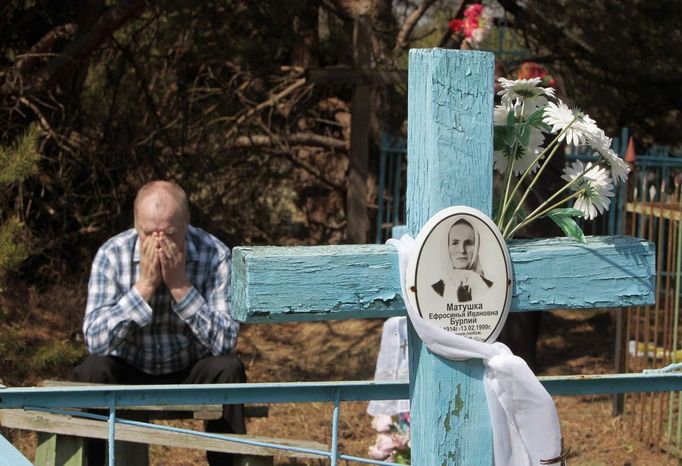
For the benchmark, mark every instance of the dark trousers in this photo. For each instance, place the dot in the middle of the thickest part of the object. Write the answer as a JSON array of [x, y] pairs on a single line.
[[213, 369], [520, 333]]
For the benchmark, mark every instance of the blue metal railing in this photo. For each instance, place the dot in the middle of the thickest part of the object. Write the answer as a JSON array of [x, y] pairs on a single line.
[[57, 399], [392, 179]]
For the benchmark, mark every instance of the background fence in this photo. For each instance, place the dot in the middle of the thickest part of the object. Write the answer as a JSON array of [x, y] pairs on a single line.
[[651, 334]]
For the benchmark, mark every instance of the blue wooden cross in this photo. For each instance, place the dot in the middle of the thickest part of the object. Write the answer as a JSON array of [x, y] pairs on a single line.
[[449, 163]]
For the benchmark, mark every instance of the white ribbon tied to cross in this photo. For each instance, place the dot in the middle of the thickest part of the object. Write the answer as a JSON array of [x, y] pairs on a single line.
[[524, 420]]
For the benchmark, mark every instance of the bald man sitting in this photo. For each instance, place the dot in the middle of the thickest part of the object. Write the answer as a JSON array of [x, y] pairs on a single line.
[[158, 309]]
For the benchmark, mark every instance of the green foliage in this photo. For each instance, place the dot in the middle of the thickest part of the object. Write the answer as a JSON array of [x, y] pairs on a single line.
[[562, 217], [12, 252], [55, 354], [22, 356], [19, 161], [12, 345]]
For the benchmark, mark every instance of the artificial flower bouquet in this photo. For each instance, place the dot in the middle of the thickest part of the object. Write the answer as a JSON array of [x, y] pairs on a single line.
[[527, 115], [393, 438]]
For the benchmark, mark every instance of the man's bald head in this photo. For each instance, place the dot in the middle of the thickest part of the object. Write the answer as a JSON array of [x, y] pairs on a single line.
[[159, 191], [161, 207]]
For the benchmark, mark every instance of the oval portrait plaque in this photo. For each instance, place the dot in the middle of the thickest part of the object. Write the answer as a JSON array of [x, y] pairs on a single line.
[[460, 277]]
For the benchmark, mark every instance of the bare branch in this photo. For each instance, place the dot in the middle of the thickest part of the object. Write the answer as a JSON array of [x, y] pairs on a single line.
[[304, 139], [84, 45], [402, 41], [44, 46], [268, 103], [44, 123], [521, 11], [315, 172]]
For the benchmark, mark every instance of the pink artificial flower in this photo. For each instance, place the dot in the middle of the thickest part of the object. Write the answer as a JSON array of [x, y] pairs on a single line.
[[383, 447], [474, 10], [401, 441], [376, 454], [382, 423], [470, 25]]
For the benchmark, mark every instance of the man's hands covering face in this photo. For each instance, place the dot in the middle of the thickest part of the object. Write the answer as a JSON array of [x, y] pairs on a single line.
[[150, 268], [172, 260], [161, 259]]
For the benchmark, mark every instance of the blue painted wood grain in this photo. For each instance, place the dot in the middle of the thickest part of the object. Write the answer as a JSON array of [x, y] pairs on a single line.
[[275, 284], [449, 162]]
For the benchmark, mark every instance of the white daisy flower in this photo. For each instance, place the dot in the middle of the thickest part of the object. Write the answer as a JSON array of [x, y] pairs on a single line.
[[559, 116], [595, 184], [602, 148], [526, 93], [524, 157], [500, 114]]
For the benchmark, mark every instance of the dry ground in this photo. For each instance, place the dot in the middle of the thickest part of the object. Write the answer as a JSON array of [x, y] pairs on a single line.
[[571, 343]]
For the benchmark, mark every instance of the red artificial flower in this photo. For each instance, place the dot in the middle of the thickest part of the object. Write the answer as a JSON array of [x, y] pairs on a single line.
[[456, 25], [469, 24], [530, 69]]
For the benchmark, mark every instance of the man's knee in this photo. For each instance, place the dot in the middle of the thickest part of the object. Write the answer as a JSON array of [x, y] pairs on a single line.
[[226, 368], [96, 369]]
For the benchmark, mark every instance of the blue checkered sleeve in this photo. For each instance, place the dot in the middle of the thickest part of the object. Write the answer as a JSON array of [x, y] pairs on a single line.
[[208, 313], [111, 308]]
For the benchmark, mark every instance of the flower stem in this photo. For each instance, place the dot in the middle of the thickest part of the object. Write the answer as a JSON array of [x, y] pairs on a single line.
[[529, 188], [500, 221], [534, 216], [556, 194], [555, 146], [523, 177]]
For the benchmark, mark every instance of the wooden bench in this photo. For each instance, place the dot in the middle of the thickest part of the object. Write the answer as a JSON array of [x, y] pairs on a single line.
[[60, 437]]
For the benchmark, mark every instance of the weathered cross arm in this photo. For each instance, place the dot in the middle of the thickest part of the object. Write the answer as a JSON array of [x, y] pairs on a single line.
[[274, 284]]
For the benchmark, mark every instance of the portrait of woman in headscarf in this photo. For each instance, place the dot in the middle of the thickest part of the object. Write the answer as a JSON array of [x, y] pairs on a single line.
[[464, 279]]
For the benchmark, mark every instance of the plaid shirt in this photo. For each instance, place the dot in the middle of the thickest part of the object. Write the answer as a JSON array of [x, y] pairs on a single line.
[[161, 336]]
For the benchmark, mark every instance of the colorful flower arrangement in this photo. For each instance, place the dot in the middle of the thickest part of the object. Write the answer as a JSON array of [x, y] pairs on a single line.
[[527, 113], [393, 438], [477, 22]]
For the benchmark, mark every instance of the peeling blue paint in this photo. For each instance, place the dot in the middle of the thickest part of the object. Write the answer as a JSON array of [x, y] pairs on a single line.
[[343, 282], [459, 402]]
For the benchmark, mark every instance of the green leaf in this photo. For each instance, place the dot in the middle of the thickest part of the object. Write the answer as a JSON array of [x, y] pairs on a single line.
[[511, 119], [566, 212], [535, 119], [499, 135], [509, 135], [510, 130], [562, 217], [524, 134]]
